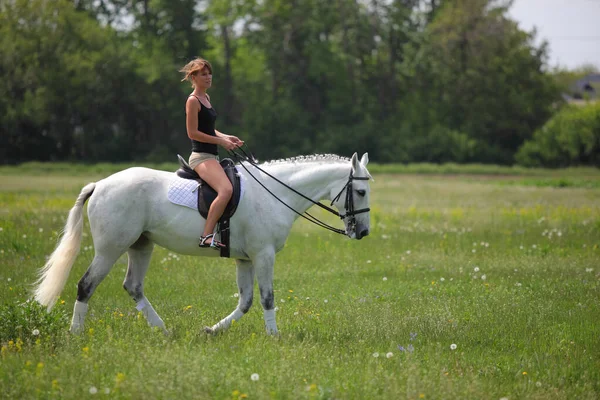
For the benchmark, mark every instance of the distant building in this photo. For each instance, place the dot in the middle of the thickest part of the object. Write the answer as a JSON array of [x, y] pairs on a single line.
[[586, 89]]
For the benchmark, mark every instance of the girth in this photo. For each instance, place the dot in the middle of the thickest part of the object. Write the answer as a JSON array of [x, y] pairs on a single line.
[[206, 195]]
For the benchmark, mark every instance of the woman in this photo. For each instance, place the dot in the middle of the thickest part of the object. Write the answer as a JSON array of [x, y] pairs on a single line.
[[200, 125]]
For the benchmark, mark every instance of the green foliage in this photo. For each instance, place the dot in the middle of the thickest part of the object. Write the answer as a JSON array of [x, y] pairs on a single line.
[[26, 322], [571, 137], [97, 81]]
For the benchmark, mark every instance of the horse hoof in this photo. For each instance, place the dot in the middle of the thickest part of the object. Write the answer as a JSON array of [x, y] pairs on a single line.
[[210, 331]]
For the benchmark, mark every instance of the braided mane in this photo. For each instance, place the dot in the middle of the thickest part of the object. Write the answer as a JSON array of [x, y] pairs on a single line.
[[310, 158]]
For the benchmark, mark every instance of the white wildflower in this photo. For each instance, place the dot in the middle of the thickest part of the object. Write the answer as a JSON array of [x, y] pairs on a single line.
[[254, 377], [452, 346]]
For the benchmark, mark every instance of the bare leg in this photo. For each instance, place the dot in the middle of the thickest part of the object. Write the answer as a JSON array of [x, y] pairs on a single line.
[[245, 281], [212, 173]]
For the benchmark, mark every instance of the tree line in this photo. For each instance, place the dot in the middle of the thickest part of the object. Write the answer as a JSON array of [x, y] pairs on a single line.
[[405, 80]]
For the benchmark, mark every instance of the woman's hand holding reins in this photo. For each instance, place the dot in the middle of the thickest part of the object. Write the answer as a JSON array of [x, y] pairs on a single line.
[[230, 142]]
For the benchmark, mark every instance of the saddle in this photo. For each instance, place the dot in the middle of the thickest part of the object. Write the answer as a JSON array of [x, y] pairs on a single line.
[[206, 195]]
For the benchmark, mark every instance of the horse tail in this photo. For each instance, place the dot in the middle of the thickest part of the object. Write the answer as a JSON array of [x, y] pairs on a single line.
[[54, 274]]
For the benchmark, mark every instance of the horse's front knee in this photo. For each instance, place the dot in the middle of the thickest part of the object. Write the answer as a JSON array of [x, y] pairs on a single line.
[[267, 299]]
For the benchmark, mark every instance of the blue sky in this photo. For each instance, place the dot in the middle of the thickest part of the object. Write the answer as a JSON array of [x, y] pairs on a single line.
[[571, 27]]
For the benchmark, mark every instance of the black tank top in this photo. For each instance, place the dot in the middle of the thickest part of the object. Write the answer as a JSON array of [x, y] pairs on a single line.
[[206, 124]]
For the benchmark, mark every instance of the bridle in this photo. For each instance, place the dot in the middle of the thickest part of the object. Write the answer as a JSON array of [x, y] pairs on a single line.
[[348, 203]]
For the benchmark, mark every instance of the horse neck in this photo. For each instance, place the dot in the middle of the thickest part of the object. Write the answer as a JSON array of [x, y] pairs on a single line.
[[315, 180]]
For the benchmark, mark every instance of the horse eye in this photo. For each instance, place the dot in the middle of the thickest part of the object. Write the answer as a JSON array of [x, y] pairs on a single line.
[[361, 192]]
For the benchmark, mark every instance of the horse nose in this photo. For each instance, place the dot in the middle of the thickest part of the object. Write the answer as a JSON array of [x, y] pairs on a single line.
[[363, 233]]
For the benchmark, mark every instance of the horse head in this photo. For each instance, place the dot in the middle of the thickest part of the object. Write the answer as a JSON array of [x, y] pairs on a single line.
[[352, 201]]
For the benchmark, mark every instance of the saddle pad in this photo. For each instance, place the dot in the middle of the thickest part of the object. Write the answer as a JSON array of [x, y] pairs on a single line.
[[184, 192]]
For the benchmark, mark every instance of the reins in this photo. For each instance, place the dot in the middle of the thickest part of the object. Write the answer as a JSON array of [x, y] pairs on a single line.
[[349, 202]]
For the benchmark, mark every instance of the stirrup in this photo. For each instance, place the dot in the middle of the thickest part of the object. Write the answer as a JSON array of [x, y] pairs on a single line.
[[214, 243]]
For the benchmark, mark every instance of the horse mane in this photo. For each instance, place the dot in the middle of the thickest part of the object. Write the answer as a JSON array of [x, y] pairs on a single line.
[[309, 158]]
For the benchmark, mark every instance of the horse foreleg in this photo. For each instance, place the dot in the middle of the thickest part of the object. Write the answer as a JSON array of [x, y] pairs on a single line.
[[139, 255], [264, 264], [245, 281]]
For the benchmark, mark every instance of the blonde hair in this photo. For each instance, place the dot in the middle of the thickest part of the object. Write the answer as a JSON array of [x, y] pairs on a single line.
[[190, 69]]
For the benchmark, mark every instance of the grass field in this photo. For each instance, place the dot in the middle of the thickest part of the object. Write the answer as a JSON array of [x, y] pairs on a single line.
[[475, 284]]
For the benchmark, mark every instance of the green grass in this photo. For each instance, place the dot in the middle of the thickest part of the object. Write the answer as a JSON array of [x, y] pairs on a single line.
[[506, 270]]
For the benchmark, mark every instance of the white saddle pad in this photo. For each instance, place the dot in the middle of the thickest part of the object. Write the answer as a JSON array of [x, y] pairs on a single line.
[[184, 192]]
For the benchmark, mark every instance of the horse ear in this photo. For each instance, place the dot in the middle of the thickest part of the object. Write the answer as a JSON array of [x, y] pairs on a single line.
[[355, 163], [365, 159]]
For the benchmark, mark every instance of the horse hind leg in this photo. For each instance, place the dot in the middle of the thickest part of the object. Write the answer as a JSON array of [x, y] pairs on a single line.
[[96, 272], [245, 282], [139, 255]]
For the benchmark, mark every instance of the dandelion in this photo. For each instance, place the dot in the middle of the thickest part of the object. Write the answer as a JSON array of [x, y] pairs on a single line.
[[41, 230], [442, 279], [385, 278], [236, 295], [519, 284], [524, 372], [40, 365], [282, 300], [254, 377], [35, 332], [368, 261], [389, 355], [407, 251], [521, 247], [483, 277], [375, 354], [9, 279], [453, 346], [296, 313], [589, 269], [325, 301], [93, 390], [538, 384], [473, 251], [476, 269], [24, 236], [120, 377]]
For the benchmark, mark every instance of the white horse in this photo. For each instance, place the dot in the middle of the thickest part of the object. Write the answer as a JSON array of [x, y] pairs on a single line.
[[129, 212]]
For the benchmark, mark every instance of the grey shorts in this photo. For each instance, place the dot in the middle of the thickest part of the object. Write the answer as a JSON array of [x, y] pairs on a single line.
[[198, 158]]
